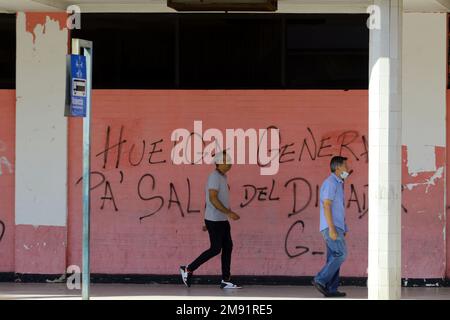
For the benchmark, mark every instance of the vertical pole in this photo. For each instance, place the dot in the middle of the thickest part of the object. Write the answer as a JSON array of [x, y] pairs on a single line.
[[87, 178], [385, 132], [77, 45]]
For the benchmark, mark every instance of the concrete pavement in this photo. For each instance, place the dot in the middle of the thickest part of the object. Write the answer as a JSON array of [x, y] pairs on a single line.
[[46, 291]]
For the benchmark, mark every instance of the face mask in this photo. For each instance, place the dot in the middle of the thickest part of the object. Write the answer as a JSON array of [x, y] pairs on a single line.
[[344, 175]]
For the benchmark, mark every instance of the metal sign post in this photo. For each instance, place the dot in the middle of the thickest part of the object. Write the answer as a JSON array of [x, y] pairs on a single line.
[[77, 45]]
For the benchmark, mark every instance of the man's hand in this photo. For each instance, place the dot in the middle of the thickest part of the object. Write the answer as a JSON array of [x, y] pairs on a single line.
[[213, 197], [234, 215], [204, 228], [333, 234]]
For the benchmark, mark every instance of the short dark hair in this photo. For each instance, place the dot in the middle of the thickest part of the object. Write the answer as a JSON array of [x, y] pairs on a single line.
[[224, 152], [336, 161]]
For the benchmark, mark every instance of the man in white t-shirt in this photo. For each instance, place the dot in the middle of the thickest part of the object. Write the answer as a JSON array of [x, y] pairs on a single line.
[[217, 212]]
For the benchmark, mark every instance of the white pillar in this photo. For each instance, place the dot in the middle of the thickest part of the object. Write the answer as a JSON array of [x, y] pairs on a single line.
[[385, 123], [41, 128], [41, 144]]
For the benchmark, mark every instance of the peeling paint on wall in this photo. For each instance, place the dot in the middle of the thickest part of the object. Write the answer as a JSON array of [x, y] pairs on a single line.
[[36, 24], [4, 162], [424, 88], [428, 182]]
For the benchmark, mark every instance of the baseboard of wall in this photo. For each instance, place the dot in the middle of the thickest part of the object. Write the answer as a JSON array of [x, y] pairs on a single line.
[[175, 279]]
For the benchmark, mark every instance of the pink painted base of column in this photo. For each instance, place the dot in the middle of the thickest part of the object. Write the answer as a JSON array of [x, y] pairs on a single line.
[[40, 249]]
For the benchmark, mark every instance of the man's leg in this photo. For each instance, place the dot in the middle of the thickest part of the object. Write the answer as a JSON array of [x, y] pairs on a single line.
[[334, 283], [215, 238], [337, 254], [227, 248], [329, 253]]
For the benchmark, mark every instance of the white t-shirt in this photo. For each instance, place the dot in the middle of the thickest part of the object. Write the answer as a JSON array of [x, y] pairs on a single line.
[[217, 181]]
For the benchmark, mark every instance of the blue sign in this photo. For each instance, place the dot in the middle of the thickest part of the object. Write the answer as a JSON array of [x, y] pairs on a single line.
[[76, 97]]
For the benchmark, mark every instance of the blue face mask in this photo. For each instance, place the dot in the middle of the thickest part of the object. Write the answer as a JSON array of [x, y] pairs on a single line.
[[344, 175]]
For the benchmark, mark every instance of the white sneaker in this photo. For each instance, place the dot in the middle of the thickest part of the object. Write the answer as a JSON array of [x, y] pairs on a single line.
[[185, 276], [229, 285]]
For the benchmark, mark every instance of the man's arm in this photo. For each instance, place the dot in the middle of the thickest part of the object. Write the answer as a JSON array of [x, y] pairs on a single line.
[[204, 228], [328, 216], [213, 197]]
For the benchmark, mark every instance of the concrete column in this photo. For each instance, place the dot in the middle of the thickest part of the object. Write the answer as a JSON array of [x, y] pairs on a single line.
[[385, 132], [41, 144]]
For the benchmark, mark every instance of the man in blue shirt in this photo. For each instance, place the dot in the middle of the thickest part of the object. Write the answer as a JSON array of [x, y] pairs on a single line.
[[333, 227]]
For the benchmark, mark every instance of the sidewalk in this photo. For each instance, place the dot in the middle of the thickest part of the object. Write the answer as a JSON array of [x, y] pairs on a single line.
[[46, 291]]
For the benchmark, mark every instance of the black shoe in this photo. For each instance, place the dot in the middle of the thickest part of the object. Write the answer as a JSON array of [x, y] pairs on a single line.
[[320, 288], [337, 294], [185, 276]]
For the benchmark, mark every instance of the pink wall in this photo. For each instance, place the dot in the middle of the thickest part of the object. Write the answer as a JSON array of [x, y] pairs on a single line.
[[329, 122], [7, 159], [447, 168], [423, 221], [122, 243]]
